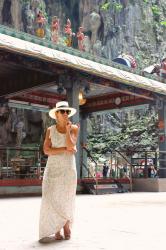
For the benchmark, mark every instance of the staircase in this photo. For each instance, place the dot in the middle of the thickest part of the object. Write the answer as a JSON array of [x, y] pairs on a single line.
[[104, 186], [96, 185]]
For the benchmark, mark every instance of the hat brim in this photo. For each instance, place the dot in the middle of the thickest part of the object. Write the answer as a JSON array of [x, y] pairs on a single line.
[[52, 111]]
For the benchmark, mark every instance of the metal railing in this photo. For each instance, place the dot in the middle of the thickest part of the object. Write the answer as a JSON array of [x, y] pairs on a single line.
[[144, 162], [116, 176], [21, 163], [126, 171], [90, 175], [123, 164]]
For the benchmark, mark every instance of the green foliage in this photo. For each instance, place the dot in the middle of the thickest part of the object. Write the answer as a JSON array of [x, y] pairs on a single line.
[[136, 134], [42, 6], [156, 10], [146, 1], [105, 6], [117, 7], [163, 23]]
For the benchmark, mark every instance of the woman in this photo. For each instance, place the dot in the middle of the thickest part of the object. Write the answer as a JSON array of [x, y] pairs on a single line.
[[59, 181]]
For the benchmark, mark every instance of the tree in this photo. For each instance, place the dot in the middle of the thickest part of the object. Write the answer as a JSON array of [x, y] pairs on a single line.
[[135, 134]]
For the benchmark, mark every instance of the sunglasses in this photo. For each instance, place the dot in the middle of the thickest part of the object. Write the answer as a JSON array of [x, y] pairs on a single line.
[[62, 111]]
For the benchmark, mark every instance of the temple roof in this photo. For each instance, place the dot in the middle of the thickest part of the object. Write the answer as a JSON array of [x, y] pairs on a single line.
[[26, 44]]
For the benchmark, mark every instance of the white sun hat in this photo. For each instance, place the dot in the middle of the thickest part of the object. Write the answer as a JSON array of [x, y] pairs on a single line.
[[62, 105]]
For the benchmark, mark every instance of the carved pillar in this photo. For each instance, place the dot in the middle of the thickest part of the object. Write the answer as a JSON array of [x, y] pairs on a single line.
[[161, 105], [72, 98], [83, 142], [72, 91]]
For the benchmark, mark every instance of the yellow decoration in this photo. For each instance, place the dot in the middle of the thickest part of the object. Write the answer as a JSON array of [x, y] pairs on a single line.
[[40, 32], [81, 98], [68, 41]]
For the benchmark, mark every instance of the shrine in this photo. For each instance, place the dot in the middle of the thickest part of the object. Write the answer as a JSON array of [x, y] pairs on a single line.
[[36, 73]]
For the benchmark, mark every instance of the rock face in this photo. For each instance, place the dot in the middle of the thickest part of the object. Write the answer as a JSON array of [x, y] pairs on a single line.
[[133, 27], [10, 13], [19, 126]]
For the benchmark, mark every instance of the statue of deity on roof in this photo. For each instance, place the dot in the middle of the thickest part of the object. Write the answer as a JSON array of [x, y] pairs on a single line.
[[81, 37], [69, 33], [40, 22], [163, 68], [55, 29]]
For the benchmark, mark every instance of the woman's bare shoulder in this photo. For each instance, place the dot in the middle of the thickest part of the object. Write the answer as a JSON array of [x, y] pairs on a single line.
[[48, 130]]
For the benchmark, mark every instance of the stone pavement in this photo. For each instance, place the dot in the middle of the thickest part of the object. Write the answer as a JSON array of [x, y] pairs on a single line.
[[129, 221]]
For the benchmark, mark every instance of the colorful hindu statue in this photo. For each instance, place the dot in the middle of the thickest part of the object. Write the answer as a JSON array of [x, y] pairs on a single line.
[[55, 29], [69, 33], [81, 37], [163, 68], [40, 21]]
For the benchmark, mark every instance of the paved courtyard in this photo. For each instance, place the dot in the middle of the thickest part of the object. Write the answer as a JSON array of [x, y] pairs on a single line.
[[129, 221]]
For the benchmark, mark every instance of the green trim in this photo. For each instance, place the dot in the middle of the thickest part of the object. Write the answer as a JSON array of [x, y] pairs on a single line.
[[46, 43]]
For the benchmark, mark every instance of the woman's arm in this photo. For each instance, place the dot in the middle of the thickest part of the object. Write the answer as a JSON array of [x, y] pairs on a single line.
[[47, 147], [71, 135]]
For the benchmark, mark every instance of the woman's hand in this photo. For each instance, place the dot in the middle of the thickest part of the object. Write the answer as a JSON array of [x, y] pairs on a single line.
[[71, 136], [72, 150], [68, 126]]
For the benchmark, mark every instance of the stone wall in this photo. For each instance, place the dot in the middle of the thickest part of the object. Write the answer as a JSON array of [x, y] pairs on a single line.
[[18, 126]]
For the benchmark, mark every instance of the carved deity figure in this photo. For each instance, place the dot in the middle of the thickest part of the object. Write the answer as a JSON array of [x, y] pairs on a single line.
[[69, 33], [163, 68], [87, 44], [95, 23], [4, 125], [13, 119], [29, 17], [93, 44], [40, 21], [19, 131], [81, 37], [55, 29], [97, 48], [156, 70]]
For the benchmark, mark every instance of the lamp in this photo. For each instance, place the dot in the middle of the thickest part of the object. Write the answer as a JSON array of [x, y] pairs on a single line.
[[60, 88], [87, 89], [81, 98]]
